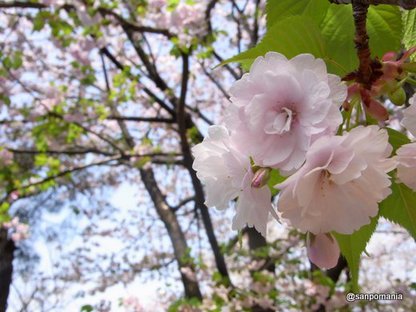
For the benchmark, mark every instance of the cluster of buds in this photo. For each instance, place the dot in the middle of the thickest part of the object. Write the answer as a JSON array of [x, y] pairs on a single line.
[[387, 79]]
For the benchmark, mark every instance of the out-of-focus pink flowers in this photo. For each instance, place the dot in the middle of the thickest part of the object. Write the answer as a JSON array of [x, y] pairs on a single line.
[[282, 106], [18, 231], [227, 174], [132, 304], [186, 15], [6, 157], [341, 183], [323, 250], [406, 165], [409, 116]]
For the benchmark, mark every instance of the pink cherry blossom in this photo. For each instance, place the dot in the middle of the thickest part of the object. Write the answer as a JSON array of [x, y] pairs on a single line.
[[341, 183], [227, 174], [323, 250], [406, 167], [409, 116], [282, 106], [186, 15]]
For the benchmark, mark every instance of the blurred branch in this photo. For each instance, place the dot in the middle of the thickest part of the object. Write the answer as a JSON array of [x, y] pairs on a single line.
[[405, 4], [183, 203], [142, 119], [188, 161], [153, 96]]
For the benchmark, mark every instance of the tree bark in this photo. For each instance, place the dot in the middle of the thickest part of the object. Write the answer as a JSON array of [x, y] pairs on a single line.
[[7, 248], [177, 237]]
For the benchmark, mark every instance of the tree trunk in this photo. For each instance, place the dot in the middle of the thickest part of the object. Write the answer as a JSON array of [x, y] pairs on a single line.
[[7, 248], [177, 237]]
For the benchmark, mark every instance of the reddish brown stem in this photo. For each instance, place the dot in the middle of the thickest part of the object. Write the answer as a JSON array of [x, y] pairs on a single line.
[[361, 42]]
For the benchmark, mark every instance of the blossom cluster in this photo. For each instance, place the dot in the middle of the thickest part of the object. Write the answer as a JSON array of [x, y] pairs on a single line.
[[186, 20], [285, 116], [18, 231]]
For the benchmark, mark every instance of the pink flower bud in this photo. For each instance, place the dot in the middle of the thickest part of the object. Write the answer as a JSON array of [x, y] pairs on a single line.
[[261, 177], [323, 250], [389, 56]]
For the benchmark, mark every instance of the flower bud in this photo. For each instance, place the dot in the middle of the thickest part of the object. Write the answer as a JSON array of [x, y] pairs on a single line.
[[398, 96], [323, 250], [261, 177]]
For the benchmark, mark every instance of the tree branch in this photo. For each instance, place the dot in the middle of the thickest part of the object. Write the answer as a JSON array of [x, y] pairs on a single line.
[[405, 4], [142, 119], [188, 160], [361, 42]]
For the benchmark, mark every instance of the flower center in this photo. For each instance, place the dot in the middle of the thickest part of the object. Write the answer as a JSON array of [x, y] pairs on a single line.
[[281, 123]]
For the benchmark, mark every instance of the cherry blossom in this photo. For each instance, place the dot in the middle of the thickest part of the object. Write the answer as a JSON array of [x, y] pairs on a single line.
[[281, 106], [227, 174], [409, 116], [341, 183], [406, 167]]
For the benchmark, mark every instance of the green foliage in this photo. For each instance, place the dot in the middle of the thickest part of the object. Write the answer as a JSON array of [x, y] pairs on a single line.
[[4, 212], [13, 61], [353, 245], [87, 308], [172, 4], [184, 305], [400, 207], [275, 178], [291, 36], [277, 10], [326, 31], [409, 30], [397, 139]]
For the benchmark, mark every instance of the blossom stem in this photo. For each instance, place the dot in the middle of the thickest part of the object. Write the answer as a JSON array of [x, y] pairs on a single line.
[[411, 81]]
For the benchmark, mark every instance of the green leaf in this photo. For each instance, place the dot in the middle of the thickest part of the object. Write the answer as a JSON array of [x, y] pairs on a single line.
[[409, 30], [397, 139], [338, 32], [384, 29], [326, 31], [400, 207], [353, 245], [292, 36], [277, 10], [274, 179], [87, 308]]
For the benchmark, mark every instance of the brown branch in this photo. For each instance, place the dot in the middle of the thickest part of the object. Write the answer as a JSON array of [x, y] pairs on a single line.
[[59, 175], [176, 235], [142, 119], [182, 119], [361, 42], [65, 152], [167, 215], [104, 11], [405, 4], [23, 5], [214, 81], [121, 67]]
